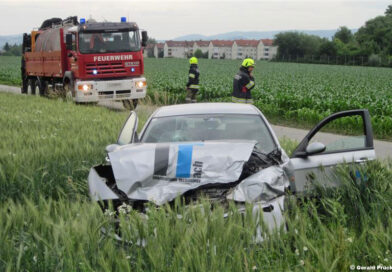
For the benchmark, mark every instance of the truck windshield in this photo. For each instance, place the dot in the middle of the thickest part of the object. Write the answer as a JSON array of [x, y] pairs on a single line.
[[112, 42]]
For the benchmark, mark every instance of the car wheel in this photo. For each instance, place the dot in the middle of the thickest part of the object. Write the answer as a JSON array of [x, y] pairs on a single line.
[[130, 104]]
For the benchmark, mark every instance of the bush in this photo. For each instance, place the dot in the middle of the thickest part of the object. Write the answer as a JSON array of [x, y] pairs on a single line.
[[198, 54], [374, 60]]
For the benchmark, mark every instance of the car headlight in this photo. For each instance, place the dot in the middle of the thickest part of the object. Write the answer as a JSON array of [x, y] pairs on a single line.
[[140, 84]]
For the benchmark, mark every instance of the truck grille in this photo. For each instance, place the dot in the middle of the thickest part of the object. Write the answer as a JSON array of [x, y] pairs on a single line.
[[115, 94], [114, 68]]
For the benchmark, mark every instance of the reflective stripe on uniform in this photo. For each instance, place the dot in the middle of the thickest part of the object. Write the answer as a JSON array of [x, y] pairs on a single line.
[[192, 75], [241, 100], [250, 84], [194, 86]]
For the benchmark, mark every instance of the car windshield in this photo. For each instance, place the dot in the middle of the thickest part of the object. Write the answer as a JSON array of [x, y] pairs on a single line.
[[192, 128], [112, 42]]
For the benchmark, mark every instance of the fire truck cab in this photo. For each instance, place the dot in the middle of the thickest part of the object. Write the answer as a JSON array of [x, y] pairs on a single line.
[[85, 61]]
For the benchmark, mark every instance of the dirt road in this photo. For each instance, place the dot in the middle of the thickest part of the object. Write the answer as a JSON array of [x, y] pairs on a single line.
[[383, 148]]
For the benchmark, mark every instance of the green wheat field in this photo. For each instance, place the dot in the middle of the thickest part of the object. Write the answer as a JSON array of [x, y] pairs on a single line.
[[47, 146]]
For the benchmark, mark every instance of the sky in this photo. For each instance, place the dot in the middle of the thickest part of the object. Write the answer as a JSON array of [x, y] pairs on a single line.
[[168, 19]]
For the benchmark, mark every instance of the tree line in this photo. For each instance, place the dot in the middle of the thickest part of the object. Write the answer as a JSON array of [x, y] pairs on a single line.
[[11, 50], [370, 45]]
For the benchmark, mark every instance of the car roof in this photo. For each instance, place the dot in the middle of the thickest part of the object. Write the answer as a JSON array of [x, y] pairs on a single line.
[[206, 108]]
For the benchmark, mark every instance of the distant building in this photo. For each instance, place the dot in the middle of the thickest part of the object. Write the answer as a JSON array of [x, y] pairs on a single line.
[[148, 51], [202, 45], [158, 50], [245, 49], [220, 49], [266, 49], [178, 49]]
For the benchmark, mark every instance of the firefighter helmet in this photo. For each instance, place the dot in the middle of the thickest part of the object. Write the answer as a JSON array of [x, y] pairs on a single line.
[[248, 63], [193, 60]]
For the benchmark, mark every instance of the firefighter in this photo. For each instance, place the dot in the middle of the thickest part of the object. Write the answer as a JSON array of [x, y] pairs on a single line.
[[192, 87], [244, 82]]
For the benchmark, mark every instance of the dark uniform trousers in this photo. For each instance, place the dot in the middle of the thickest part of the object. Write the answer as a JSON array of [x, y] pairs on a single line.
[[193, 84]]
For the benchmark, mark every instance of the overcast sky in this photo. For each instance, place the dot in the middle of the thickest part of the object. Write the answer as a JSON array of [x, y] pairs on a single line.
[[169, 19]]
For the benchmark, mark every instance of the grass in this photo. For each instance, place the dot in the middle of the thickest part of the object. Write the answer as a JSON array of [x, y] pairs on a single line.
[[48, 223], [52, 143]]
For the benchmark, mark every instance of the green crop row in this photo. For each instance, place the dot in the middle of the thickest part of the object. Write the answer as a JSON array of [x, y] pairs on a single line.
[[10, 70], [301, 94], [297, 94]]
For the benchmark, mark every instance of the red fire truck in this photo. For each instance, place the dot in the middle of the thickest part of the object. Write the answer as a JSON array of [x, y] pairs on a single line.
[[85, 61]]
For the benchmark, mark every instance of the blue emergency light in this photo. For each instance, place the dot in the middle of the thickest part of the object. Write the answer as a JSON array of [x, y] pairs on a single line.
[[123, 19], [132, 69], [82, 21], [95, 72]]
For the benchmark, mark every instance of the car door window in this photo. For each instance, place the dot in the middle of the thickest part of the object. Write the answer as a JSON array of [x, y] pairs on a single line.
[[347, 137], [342, 134]]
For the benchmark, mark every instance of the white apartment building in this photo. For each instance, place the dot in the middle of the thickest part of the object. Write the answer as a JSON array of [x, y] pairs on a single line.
[[159, 50], [148, 51], [245, 49], [220, 49], [266, 50], [178, 49], [202, 45]]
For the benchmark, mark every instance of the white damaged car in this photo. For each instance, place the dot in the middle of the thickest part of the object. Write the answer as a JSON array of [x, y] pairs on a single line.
[[224, 152]]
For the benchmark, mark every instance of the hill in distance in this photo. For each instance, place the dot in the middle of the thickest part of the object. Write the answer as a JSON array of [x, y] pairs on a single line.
[[255, 35], [234, 35]]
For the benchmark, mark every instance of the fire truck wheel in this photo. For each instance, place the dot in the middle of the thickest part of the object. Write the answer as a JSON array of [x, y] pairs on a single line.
[[130, 104], [41, 87], [30, 86], [25, 85], [36, 88]]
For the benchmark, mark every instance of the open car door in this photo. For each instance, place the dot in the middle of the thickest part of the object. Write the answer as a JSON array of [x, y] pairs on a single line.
[[127, 134], [316, 157]]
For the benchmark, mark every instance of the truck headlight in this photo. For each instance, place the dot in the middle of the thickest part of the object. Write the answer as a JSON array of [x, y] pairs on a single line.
[[140, 84], [85, 87]]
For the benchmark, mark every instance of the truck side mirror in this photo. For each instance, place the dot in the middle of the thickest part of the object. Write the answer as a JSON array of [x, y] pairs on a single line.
[[68, 41], [144, 38]]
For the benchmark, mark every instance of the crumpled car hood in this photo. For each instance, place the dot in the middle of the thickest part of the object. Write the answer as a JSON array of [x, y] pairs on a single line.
[[262, 186], [160, 172]]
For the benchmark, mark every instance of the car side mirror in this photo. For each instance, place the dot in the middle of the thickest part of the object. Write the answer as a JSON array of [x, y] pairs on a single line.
[[144, 38], [315, 148], [111, 148]]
